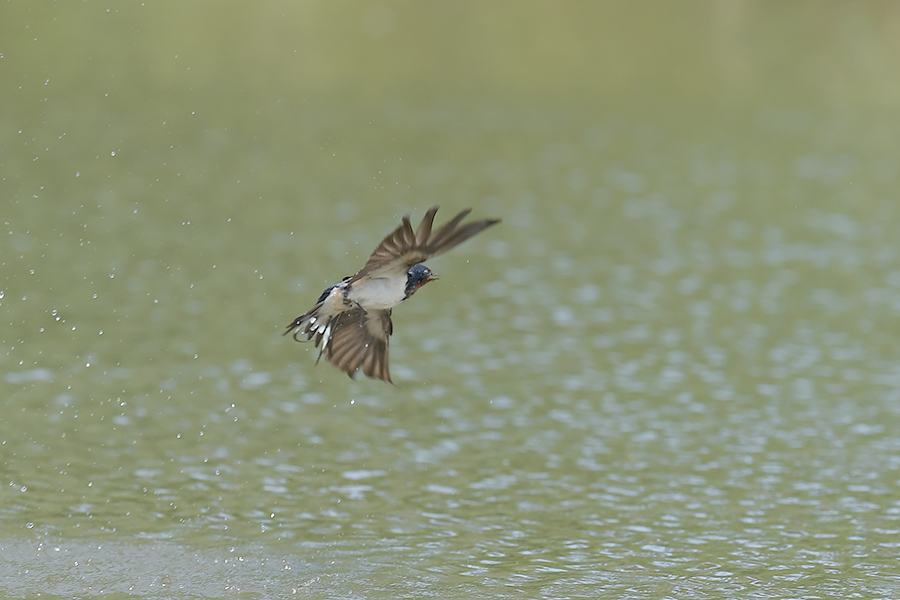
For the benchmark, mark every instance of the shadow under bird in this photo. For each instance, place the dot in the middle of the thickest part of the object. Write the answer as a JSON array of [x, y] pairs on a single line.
[[351, 322]]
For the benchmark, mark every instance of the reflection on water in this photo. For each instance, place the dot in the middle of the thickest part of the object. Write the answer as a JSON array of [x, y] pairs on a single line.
[[671, 371]]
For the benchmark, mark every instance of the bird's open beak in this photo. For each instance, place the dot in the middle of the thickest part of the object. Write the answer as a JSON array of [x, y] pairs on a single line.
[[433, 276]]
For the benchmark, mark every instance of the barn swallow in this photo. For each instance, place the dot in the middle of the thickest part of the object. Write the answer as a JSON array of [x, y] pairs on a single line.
[[351, 321]]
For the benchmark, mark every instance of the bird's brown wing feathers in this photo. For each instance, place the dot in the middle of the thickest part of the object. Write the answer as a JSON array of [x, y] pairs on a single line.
[[359, 340], [403, 248]]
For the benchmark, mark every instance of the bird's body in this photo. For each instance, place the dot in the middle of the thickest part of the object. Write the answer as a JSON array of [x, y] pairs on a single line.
[[378, 293], [351, 322]]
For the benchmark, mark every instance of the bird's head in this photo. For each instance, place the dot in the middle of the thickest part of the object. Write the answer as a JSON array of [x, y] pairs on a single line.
[[417, 276]]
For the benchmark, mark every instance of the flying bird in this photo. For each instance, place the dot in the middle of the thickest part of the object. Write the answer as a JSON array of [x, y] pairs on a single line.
[[351, 321]]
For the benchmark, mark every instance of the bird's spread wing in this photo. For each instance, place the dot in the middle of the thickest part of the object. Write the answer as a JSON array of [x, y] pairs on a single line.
[[403, 247], [349, 338], [359, 340]]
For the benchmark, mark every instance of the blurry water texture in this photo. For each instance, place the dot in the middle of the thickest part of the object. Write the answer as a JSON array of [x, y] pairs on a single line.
[[671, 372]]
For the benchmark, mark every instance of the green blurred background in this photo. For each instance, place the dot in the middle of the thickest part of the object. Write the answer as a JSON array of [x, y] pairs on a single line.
[[671, 371]]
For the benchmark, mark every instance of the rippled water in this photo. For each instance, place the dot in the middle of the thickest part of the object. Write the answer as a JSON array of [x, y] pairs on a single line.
[[671, 372]]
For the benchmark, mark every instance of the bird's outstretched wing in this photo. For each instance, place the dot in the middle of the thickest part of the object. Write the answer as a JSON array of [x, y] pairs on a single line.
[[403, 248], [349, 339], [359, 340]]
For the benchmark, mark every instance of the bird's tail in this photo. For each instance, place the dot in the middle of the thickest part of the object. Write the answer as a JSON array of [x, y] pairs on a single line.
[[312, 325], [299, 325], [318, 322]]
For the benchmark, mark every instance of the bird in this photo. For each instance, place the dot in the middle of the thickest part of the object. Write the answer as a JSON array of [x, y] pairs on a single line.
[[351, 321]]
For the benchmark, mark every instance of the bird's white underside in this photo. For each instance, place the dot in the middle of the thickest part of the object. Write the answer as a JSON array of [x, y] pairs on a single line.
[[379, 293]]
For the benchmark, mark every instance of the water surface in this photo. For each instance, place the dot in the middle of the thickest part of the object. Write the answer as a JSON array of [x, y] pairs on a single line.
[[671, 372]]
